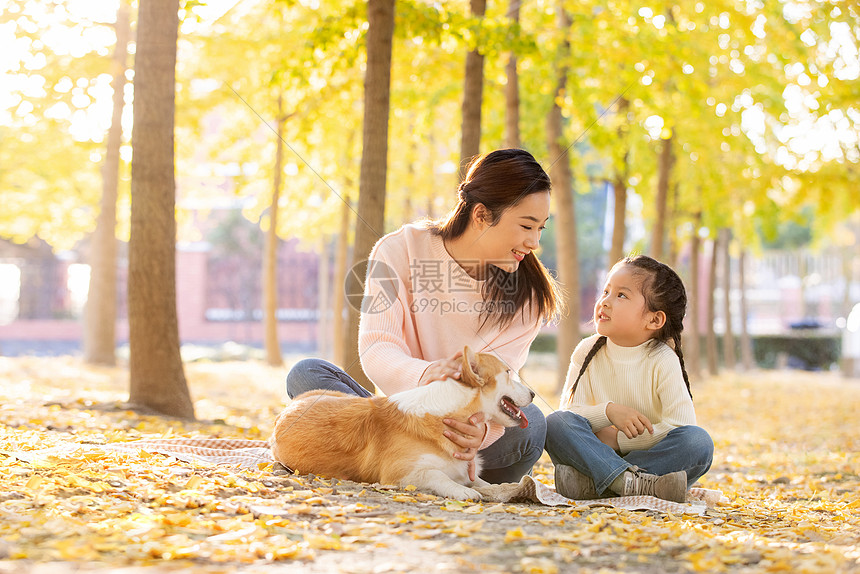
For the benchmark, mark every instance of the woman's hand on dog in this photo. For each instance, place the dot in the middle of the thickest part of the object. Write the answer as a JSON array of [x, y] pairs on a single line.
[[468, 436], [443, 369]]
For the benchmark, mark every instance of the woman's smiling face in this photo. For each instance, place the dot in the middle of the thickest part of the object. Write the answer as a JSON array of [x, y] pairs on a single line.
[[517, 232]]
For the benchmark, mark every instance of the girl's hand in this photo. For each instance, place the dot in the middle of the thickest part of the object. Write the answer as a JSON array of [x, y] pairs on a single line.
[[468, 436], [442, 369], [608, 436], [629, 421]]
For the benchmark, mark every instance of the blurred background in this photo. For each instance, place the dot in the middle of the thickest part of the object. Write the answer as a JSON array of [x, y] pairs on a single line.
[[720, 137]]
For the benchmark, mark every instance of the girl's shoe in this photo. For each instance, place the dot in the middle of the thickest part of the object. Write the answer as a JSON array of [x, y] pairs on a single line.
[[672, 486], [571, 483]]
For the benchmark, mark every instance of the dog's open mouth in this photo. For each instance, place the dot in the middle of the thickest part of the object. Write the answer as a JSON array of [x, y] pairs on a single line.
[[512, 410]]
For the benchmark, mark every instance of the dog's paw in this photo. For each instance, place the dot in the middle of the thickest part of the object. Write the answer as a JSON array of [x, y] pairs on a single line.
[[463, 493], [480, 483]]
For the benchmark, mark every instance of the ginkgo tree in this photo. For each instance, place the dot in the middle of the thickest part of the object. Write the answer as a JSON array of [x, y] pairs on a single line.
[[713, 114], [100, 313], [689, 78], [156, 372], [55, 114], [287, 96]]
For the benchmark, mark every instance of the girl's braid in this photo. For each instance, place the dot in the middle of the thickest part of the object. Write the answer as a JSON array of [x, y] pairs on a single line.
[[593, 351], [677, 340]]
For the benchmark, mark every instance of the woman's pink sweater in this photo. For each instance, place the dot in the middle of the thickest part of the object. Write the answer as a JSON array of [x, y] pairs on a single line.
[[421, 306]]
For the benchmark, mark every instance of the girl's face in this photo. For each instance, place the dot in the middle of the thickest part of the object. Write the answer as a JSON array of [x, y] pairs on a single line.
[[516, 234], [621, 313]]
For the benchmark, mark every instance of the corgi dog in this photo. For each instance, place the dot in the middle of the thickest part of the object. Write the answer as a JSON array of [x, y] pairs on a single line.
[[398, 439]]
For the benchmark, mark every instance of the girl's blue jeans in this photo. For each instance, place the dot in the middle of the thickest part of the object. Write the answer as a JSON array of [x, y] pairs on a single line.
[[570, 441], [506, 460]]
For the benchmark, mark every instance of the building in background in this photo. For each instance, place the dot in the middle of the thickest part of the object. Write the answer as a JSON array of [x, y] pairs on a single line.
[[219, 299], [42, 295]]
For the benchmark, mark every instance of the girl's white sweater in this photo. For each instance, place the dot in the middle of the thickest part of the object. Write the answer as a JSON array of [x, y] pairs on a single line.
[[647, 378]]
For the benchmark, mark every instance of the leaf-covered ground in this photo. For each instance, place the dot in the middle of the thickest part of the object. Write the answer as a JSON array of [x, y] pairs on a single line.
[[786, 458]]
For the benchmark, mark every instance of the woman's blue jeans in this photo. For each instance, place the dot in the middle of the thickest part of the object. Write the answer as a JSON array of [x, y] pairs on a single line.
[[506, 460], [570, 441]]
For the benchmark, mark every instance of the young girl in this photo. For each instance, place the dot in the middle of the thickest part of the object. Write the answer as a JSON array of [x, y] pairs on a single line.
[[627, 424], [471, 278]]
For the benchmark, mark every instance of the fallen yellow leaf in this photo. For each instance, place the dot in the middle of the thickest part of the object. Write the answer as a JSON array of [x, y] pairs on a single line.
[[34, 482]]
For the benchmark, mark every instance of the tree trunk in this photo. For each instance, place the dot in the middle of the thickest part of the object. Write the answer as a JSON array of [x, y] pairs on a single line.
[[619, 188], [157, 378], [374, 156], [411, 178], [473, 87], [323, 299], [270, 250], [100, 312], [746, 341], [847, 277], [728, 336], [711, 337], [566, 242], [432, 159], [693, 344], [849, 252], [340, 266], [674, 247], [803, 266], [512, 88], [619, 222], [665, 172]]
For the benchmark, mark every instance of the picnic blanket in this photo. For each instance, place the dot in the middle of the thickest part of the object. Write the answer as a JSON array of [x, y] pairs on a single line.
[[255, 454]]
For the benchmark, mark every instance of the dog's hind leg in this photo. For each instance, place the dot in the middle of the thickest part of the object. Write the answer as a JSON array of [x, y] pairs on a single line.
[[435, 481]]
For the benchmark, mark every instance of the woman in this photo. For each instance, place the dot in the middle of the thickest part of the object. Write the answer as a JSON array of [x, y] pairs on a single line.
[[472, 279]]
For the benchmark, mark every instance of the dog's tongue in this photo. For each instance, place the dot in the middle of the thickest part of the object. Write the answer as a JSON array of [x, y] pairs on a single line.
[[524, 422]]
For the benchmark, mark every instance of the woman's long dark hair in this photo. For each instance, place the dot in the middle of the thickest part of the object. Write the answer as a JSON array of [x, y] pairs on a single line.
[[499, 180], [663, 291]]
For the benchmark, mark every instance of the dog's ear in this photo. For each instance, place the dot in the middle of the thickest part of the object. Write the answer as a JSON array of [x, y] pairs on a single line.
[[469, 376]]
